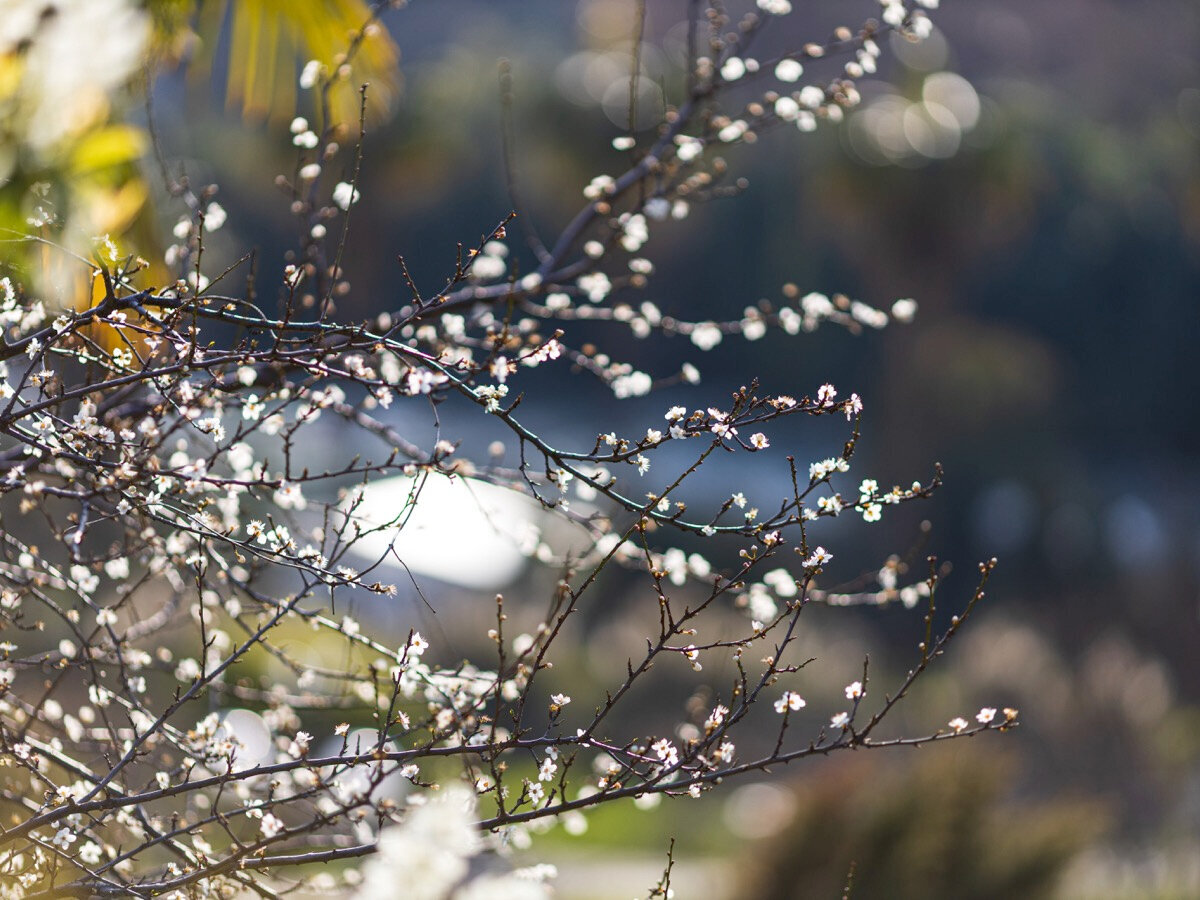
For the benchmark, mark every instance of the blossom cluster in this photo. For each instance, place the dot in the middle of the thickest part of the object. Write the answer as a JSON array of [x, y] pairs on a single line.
[[196, 694]]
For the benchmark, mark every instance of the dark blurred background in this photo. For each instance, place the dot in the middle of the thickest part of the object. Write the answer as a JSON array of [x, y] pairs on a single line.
[[1049, 228]]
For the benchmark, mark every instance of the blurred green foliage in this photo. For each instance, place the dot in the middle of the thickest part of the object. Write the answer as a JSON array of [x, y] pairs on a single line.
[[74, 171], [942, 827]]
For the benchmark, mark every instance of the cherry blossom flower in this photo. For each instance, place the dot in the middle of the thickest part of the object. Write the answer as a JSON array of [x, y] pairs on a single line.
[[789, 70], [819, 557], [197, 503], [789, 702], [344, 194], [271, 825]]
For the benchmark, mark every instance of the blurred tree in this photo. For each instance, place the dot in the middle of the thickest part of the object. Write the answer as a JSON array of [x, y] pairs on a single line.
[[71, 169], [935, 829]]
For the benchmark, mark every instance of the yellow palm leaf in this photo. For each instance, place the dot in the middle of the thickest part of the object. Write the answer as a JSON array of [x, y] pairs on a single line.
[[267, 41]]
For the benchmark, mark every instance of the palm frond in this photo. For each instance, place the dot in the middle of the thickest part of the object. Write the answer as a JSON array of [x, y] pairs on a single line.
[[267, 42]]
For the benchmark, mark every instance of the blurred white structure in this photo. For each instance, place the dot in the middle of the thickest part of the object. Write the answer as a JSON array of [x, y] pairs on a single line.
[[460, 530]]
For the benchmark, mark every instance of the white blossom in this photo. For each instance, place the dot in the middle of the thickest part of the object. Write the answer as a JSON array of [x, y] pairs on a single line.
[[811, 96], [894, 13], [904, 310], [214, 217], [819, 557], [428, 853], [599, 186], [310, 74], [271, 825], [787, 109], [789, 70], [344, 194], [733, 69], [596, 285], [789, 702]]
